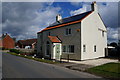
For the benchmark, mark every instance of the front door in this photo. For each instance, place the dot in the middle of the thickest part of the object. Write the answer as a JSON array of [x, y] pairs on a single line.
[[57, 51]]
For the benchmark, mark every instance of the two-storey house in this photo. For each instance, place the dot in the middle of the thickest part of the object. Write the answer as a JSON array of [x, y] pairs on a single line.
[[82, 36]]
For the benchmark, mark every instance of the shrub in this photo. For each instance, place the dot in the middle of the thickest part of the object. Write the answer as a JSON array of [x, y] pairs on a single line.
[[2, 48], [15, 51]]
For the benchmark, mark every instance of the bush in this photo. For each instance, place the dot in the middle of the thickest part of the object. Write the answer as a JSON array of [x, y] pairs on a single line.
[[15, 51], [3, 48]]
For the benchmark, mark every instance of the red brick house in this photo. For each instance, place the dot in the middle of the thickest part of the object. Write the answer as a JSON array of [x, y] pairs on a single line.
[[24, 43], [6, 41]]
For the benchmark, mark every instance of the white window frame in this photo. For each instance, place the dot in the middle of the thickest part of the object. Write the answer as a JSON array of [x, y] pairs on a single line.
[[95, 48], [70, 48], [67, 49], [84, 48], [68, 32], [103, 34]]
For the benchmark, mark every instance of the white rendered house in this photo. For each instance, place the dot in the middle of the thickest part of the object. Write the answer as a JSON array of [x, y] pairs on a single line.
[[81, 37]]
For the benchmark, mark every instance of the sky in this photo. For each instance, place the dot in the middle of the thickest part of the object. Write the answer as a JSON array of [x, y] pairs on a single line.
[[23, 20]]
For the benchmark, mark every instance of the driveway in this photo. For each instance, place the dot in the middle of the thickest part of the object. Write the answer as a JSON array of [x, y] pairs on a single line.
[[83, 65], [94, 62]]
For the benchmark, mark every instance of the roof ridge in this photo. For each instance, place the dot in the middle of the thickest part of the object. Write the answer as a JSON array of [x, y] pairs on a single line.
[[69, 17], [27, 39], [83, 15]]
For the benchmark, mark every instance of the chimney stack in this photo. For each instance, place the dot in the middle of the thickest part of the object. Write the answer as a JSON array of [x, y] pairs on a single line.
[[94, 6], [58, 18]]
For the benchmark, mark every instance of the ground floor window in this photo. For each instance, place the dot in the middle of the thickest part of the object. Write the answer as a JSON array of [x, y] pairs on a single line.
[[68, 48], [71, 48], [84, 48], [64, 49]]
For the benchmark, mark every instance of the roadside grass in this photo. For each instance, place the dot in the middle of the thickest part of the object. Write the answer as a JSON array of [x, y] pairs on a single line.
[[36, 59], [109, 70]]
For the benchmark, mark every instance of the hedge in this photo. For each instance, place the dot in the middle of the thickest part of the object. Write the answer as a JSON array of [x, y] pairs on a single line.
[[15, 51]]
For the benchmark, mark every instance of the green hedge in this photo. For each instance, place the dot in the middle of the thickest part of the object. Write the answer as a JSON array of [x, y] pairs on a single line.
[[15, 51], [3, 48], [36, 59]]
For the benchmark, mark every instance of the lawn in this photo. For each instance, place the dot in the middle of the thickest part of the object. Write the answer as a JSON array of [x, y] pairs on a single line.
[[36, 59], [109, 70]]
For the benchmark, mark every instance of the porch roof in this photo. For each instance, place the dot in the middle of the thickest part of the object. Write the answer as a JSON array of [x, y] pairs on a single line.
[[54, 39]]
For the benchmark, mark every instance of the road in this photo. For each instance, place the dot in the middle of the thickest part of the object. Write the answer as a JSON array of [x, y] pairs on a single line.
[[18, 67]]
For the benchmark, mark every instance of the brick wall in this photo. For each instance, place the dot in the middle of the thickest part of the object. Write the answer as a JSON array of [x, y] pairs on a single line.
[[0, 43], [8, 42]]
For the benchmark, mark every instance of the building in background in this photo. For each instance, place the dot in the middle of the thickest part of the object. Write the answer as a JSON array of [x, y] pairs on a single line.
[[7, 42], [27, 44]]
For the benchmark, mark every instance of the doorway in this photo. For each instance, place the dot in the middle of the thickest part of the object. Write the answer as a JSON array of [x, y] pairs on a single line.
[[57, 51]]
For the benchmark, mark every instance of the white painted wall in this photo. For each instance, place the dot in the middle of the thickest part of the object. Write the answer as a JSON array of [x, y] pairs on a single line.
[[90, 36]]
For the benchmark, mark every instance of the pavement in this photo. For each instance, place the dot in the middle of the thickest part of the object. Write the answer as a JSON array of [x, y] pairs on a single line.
[[18, 67], [83, 65], [93, 62]]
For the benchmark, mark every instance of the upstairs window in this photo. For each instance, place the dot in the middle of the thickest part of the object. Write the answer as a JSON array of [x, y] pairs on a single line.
[[102, 33], [48, 33], [94, 48], [68, 31]]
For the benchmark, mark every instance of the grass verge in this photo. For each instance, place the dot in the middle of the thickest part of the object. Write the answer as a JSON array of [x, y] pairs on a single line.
[[109, 70], [36, 59]]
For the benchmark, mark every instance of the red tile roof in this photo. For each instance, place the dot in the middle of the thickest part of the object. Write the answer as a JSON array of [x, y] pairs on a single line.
[[54, 39], [65, 24], [28, 41]]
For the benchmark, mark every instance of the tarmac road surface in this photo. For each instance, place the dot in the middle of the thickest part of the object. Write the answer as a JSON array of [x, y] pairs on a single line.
[[18, 67]]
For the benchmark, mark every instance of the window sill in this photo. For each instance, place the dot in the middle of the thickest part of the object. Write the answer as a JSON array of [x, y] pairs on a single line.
[[68, 35], [68, 53]]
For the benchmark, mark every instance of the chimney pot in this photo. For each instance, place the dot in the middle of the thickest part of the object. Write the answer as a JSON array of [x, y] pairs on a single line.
[[58, 18]]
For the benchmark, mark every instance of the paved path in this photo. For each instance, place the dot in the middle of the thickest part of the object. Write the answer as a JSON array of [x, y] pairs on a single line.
[[18, 67], [94, 62]]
